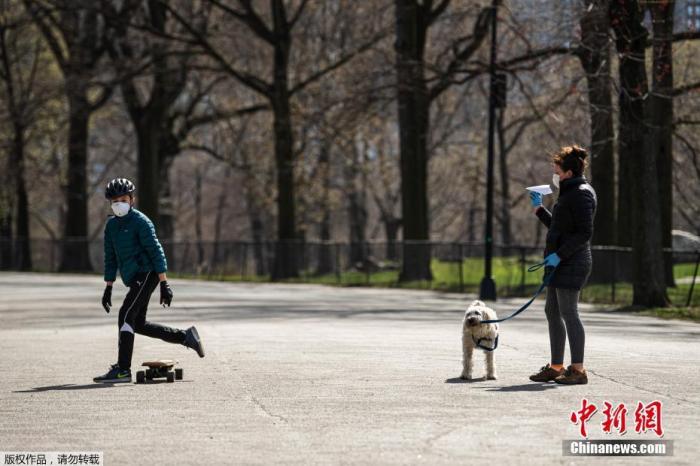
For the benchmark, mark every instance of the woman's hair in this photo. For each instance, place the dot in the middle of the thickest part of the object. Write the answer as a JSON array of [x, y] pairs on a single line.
[[572, 158]]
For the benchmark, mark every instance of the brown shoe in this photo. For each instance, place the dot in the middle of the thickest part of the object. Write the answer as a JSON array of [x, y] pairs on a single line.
[[546, 374], [572, 377]]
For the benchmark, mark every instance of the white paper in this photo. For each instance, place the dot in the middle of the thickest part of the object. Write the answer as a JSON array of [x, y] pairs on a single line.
[[543, 189]]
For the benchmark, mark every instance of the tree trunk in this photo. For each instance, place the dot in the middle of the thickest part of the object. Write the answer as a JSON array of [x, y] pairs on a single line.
[[634, 134], [258, 217], [198, 217], [257, 232], [471, 222], [661, 114], [156, 144], [23, 259], [595, 60], [76, 251], [285, 265], [219, 219], [414, 121], [506, 235], [357, 208], [325, 258], [166, 222], [148, 181], [391, 231], [14, 202], [6, 210], [357, 222]]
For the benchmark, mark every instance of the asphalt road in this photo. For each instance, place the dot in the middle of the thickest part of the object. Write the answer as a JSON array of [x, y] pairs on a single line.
[[303, 374]]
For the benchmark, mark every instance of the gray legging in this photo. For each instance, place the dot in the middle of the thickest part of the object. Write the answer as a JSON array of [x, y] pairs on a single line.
[[562, 308]]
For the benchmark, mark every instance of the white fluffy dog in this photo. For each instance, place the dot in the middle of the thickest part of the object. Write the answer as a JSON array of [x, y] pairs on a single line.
[[478, 335]]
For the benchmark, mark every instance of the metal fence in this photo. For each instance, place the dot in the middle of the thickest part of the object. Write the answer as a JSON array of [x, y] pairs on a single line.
[[453, 266]]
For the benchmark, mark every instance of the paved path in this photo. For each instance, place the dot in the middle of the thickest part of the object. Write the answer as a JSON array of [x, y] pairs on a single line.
[[303, 374]]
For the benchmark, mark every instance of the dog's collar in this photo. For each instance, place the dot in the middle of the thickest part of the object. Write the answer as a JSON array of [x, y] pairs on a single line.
[[486, 348]]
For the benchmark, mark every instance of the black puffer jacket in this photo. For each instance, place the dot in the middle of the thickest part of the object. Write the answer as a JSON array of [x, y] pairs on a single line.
[[570, 230]]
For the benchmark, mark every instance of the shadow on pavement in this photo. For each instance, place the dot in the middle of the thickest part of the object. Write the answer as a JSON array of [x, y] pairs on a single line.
[[527, 387], [68, 386], [461, 380]]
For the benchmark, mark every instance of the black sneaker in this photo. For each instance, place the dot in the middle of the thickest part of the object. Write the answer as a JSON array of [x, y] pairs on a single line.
[[114, 375], [192, 341]]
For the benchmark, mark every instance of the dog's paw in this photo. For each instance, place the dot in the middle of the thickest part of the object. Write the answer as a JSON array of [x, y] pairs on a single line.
[[465, 376], [491, 377]]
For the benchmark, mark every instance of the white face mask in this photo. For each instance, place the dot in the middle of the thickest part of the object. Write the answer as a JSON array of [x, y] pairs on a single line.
[[120, 209], [555, 180]]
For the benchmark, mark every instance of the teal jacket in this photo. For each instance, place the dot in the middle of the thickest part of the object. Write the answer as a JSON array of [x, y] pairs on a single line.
[[131, 245]]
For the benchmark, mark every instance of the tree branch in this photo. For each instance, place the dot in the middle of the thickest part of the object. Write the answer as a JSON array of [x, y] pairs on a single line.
[[678, 91], [225, 115], [107, 92], [250, 18], [215, 154], [334, 66], [481, 28], [38, 13], [548, 52], [437, 11], [297, 14], [247, 79], [687, 35]]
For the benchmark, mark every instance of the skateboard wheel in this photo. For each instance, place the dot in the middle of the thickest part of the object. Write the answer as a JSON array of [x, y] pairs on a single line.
[[178, 374], [149, 374], [170, 377], [140, 377]]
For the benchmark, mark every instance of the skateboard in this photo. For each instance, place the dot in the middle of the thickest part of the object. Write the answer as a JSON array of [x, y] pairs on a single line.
[[159, 369]]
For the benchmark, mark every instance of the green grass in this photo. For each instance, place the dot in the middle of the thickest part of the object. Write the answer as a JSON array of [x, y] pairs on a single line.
[[684, 270], [674, 312], [602, 294], [684, 313], [507, 273]]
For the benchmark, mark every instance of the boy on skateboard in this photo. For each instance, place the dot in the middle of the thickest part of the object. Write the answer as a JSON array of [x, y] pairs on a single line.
[[131, 245]]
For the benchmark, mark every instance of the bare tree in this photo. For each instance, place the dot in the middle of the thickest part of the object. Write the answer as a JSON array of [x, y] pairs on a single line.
[[594, 55], [165, 63], [278, 90], [640, 160], [661, 118], [75, 33], [414, 94], [23, 95]]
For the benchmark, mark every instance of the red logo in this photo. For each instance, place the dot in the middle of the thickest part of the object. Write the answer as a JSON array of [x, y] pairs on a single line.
[[614, 418], [583, 415], [646, 417]]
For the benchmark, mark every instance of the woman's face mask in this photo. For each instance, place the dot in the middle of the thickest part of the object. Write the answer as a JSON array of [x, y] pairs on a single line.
[[121, 208], [555, 180]]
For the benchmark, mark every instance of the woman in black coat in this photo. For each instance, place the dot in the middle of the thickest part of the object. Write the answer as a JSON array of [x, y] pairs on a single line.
[[568, 249]]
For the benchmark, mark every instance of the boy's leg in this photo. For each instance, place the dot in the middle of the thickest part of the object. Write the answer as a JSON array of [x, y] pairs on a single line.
[[152, 329], [190, 338], [137, 298]]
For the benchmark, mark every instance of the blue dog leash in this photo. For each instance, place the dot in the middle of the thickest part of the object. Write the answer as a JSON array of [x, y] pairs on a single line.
[[545, 282]]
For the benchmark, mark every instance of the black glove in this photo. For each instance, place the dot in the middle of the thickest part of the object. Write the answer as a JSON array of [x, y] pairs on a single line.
[[107, 298], [166, 294]]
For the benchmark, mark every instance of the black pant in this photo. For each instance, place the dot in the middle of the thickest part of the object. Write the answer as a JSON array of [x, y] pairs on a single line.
[[132, 318]]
